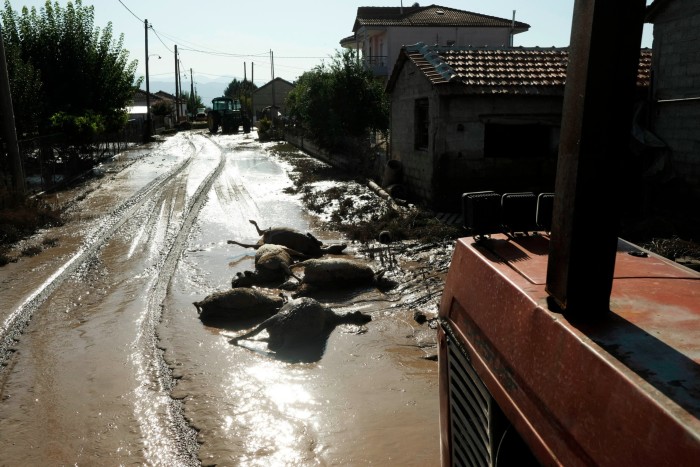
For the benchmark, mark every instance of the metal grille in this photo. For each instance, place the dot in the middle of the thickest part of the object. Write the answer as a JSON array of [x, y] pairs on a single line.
[[470, 411]]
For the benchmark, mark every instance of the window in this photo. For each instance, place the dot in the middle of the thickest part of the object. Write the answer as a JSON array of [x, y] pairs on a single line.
[[421, 123]]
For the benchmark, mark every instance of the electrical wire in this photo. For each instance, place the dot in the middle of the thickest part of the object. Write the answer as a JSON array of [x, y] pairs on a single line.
[[161, 41], [204, 50], [127, 8]]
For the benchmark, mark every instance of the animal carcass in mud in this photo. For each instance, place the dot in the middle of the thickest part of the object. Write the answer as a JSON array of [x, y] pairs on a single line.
[[301, 322], [304, 243], [328, 273], [239, 305], [272, 267]]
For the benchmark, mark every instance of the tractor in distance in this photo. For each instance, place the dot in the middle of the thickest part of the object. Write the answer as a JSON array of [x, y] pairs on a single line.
[[229, 115]]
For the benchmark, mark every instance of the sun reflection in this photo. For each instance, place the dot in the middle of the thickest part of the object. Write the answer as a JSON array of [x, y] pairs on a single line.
[[275, 414], [285, 389]]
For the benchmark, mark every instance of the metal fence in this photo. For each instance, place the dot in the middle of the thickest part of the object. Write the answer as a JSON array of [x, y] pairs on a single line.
[[49, 162]]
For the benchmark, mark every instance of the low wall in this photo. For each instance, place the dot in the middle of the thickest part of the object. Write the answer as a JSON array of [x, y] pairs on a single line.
[[341, 161], [306, 145]]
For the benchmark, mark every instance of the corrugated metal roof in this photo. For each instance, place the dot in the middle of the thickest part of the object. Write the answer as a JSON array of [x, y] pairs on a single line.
[[504, 70], [432, 15]]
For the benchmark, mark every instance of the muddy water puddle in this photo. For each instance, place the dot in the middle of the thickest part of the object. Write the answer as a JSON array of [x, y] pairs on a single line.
[[115, 367]]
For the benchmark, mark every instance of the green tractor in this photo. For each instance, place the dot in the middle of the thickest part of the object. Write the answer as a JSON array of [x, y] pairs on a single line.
[[228, 114]]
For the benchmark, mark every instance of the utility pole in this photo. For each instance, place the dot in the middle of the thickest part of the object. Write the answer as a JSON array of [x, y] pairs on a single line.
[[8, 125], [272, 70], [243, 85], [148, 90], [179, 80], [272, 88], [252, 91], [177, 93], [192, 90]]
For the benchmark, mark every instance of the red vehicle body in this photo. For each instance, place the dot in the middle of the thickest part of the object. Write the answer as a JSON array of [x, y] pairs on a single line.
[[575, 347], [519, 379]]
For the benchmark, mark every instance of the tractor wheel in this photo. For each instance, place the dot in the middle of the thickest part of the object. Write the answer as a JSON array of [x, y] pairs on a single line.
[[212, 124]]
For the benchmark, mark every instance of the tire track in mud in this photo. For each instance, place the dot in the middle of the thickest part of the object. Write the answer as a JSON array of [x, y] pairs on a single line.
[[12, 327], [169, 439], [235, 194]]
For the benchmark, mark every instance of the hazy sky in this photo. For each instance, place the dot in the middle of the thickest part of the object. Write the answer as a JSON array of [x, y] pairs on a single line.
[[216, 37]]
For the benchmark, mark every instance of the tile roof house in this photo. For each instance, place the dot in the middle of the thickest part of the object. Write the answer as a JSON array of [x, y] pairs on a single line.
[[475, 118], [137, 110], [172, 100], [380, 32], [675, 106]]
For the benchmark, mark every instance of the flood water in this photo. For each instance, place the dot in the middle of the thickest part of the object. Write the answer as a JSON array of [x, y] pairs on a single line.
[[105, 361]]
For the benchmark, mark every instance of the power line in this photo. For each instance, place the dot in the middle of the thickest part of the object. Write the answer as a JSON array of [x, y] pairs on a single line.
[[161, 40], [204, 50], [222, 54], [127, 8]]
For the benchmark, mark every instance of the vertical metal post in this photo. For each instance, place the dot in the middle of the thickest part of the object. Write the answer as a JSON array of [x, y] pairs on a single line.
[[596, 125]]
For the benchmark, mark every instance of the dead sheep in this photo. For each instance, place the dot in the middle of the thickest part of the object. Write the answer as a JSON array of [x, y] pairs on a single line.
[[337, 271], [272, 267], [326, 274], [300, 322], [275, 258], [304, 243], [239, 304]]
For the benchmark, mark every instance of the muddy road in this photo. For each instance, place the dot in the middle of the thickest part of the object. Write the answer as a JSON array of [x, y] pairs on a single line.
[[105, 361]]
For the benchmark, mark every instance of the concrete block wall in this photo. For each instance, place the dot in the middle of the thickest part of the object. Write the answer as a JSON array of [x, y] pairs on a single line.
[[676, 64], [418, 164]]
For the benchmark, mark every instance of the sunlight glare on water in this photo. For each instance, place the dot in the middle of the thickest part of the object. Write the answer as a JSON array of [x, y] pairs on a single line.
[[275, 413]]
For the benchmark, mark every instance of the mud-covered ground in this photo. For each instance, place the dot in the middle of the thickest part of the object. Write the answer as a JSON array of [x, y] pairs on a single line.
[[104, 360], [411, 244]]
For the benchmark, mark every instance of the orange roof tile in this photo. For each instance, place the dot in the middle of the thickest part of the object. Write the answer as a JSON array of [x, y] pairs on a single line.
[[503, 70]]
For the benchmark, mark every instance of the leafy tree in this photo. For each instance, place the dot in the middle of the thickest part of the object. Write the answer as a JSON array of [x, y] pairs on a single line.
[[192, 103], [162, 108], [83, 72], [241, 90], [77, 129], [338, 101], [25, 83], [238, 89]]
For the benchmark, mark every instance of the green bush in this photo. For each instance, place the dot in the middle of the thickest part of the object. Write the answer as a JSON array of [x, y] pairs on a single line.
[[338, 102]]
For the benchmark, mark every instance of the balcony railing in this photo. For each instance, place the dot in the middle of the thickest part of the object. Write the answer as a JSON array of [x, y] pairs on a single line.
[[378, 64]]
